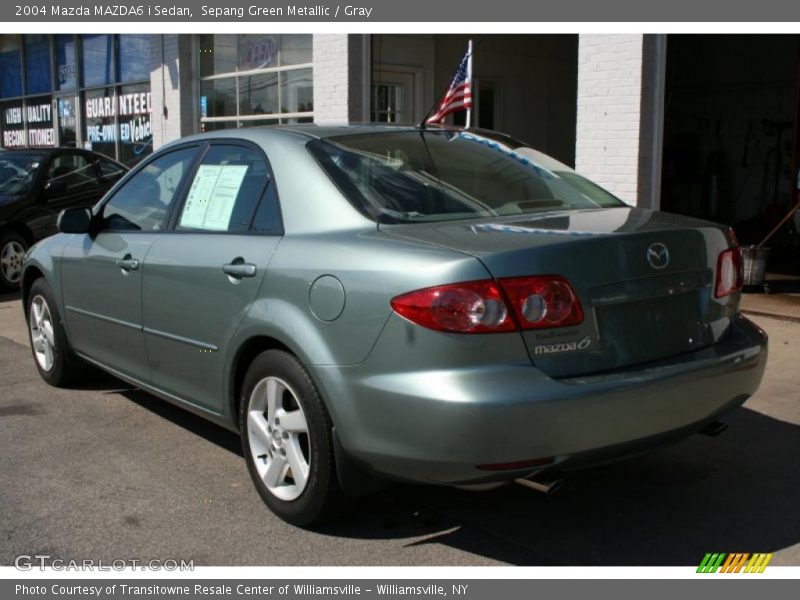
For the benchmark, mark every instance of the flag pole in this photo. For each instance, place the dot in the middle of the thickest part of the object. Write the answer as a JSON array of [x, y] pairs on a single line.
[[468, 121]]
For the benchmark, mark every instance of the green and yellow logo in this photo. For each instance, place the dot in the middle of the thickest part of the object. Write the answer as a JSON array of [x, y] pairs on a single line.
[[738, 562]]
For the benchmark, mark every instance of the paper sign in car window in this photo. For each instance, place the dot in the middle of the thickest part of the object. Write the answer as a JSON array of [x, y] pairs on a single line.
[[220, 208], [210, 200], [194, 211]]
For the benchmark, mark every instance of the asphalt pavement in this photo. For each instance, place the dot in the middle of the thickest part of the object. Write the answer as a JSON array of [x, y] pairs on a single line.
[[108, 472]]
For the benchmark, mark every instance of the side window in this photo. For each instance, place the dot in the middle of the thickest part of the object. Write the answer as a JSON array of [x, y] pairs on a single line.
[[225, 191], [109, 170], [69, 173], [144, 201]]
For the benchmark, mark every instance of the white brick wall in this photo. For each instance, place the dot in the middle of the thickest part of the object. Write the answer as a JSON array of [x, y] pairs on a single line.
[[340, 65], [608, 124], [331, 78], [172, 85]]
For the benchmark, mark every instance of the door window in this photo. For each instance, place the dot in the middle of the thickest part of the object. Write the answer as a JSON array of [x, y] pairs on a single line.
[[144, 201], [110, 170], [70, 173], [225, 191]]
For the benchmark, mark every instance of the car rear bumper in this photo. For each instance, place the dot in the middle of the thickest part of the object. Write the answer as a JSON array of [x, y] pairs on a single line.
[[438, 425]]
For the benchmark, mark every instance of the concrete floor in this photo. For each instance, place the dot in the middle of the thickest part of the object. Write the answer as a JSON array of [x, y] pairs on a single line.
[[108, 472]]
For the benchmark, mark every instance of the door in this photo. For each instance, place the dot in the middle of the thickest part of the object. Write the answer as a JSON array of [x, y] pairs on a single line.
[[102, 273], [394, 95], [201, 277]]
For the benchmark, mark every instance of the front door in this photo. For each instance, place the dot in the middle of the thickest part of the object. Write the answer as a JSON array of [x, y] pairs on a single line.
[[102, 272], [201, 277]]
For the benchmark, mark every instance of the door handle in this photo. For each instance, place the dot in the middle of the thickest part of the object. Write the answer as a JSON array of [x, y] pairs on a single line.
[[239, 269], [128, 263]]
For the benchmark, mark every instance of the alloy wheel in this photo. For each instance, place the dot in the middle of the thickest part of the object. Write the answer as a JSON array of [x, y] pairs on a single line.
[[278, 438], [11, 261], [42, 333]]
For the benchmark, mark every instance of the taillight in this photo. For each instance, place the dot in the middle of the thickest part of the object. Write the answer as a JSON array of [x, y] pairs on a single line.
[[729, 272], [480, 306], [470, 307], [543, 301]]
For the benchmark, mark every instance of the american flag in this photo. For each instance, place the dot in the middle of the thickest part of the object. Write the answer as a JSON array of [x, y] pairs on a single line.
[[459, 94]]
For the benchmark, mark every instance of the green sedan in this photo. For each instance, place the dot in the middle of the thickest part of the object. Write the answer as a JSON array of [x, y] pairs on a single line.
[[373, 304]]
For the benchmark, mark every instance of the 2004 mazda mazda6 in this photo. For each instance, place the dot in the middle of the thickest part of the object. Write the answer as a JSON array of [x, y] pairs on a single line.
[[388, 303]]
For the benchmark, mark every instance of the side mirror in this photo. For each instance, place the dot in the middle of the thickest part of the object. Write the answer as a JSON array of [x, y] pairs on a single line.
[[75, 220], [55, 187]]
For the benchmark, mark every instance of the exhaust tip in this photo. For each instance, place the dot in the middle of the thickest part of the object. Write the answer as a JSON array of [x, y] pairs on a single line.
[[547, 487], [714, 428]]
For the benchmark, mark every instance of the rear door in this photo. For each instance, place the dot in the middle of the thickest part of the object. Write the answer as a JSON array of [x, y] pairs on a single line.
[[202, 275], [102, 273]]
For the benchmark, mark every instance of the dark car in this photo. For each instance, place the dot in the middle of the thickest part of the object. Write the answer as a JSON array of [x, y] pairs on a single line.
[[35, 185]]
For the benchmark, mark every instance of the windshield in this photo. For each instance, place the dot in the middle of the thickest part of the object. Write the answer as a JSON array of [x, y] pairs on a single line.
[[18, 172], [431, 175]]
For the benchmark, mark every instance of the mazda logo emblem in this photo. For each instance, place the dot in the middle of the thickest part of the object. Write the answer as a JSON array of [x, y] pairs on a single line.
[[658, 255]]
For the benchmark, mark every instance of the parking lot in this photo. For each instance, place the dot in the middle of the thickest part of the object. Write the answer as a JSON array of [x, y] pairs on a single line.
[[108, 472]]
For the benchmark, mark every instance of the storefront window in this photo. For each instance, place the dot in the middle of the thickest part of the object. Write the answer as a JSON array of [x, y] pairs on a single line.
[[218, 97], [217, 54], [13, 124], [39, 117], [65, 109], [254, 75], [66, 71], [134, 57], [10, 66], [258, 52], [90, 108], [37, 64], [100, 133], [98, 60], [258, 94], [135, 124], [297, 91], [295, 50]]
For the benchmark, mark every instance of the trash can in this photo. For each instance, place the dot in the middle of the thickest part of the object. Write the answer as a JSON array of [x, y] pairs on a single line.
[[754, 264]]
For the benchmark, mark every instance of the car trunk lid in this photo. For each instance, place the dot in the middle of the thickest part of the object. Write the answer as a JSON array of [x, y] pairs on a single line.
[[645, 280]]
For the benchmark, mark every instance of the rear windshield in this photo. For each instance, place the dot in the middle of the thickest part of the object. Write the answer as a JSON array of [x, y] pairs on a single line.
[[18, 171], [409, 176]]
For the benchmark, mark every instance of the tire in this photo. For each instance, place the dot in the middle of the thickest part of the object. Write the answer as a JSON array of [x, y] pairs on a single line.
[[303, 442], [59, 366], [12, 248]]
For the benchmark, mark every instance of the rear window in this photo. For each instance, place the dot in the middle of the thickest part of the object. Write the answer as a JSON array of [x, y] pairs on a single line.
[[432, 175]]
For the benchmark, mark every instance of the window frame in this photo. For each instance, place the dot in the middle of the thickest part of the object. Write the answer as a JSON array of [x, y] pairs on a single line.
[[98, 209], [172, 221], [90, 160]]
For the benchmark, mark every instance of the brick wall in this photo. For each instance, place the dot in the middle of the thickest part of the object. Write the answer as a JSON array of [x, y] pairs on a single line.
[[620, 83], [173, 85], [340, 77]]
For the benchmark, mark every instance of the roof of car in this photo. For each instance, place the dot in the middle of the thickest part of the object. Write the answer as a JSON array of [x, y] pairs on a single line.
[[302, 130]]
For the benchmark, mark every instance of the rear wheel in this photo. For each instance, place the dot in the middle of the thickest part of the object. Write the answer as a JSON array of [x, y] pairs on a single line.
[[287, 440], [56, 362], [12, 251]]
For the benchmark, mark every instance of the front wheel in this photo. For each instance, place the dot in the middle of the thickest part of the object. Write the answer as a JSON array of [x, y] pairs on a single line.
[[287, 440], [56, 362]]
